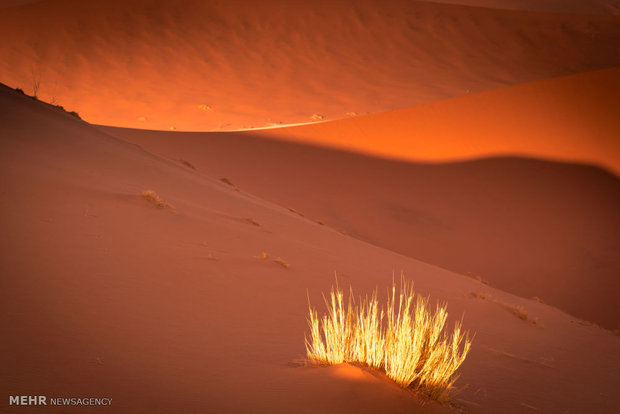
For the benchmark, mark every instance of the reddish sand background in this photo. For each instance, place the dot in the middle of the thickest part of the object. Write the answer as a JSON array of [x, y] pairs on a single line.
[[154, 64], [105, 295]]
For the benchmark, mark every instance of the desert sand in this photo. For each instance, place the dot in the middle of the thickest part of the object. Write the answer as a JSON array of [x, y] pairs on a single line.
[[166, 310], [471, 145], [209, 65], [175, 310], [533, 227]]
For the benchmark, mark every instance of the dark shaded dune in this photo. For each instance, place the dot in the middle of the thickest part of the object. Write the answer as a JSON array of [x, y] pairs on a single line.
[[530, 227]]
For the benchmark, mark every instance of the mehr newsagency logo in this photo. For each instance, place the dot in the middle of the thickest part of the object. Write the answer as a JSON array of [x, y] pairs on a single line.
[[65, 401]]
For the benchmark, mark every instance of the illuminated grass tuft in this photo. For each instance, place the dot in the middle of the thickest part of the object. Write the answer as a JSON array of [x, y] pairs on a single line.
[[405, 339]]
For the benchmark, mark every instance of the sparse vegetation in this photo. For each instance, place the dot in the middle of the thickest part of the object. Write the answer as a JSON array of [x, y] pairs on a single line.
[[53, 104], [252, 221], [152, 197], [518, 311], [482, 280], [74, 114], [36, 82], [227, 181], [478, 295], [478, 278], [282, 263], [35, 88], [230, 183], [405, 340], [292, 210], [188, 164]]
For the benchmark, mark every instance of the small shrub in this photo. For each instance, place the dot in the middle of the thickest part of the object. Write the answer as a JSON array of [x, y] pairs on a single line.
[[482, 280], [188, 164], [518, 311], [227, 181], [152, 197], [251, 221], [230, 183], [478, 278], [405, 340], [282, 263], [292, 210]]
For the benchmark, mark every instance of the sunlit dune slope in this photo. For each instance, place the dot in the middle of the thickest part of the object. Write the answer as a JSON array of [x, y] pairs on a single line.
[[204, 65], [572, 118], [534, 228], [104, 294]]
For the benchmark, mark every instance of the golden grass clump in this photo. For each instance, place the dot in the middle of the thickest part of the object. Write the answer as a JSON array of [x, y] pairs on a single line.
[[404, 339]]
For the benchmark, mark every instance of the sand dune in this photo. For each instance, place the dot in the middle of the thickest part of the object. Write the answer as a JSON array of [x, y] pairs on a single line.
[[533, 228], [171, 271], [160, 64], [574, 118], [104, 294], [555, 6]]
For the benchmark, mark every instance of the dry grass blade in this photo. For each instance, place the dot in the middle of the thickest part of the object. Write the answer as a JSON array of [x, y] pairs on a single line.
[[406, 339]]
